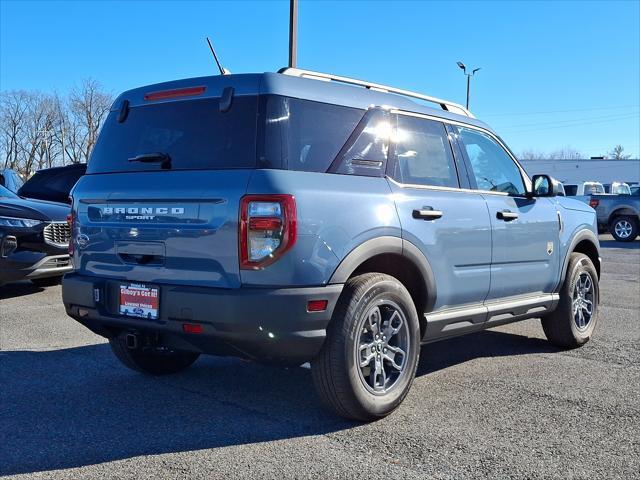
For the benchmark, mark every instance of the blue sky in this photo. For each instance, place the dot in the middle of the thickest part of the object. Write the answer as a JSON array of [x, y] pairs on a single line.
[[554, 74]]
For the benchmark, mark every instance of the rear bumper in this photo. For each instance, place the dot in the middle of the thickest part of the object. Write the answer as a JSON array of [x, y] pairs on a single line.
[[265, 324], [32, 265]]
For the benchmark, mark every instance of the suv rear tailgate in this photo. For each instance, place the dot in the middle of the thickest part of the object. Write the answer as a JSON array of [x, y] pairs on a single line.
[[178, 227]]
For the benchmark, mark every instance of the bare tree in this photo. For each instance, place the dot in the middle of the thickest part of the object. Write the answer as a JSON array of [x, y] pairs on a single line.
[[39, 130], [618, 153], [531, 154], [89, 106], [13, 110], [565, 153]]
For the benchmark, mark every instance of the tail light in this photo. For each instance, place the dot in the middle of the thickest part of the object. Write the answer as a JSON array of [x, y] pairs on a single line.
[[594, 202], [268, 228]]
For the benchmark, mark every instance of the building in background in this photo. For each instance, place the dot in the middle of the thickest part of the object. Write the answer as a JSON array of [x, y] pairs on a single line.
[[577, 171]]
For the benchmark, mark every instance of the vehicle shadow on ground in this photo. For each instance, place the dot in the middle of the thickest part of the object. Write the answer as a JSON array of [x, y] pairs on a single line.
[[635, 245], [18, 289], [74, 407]]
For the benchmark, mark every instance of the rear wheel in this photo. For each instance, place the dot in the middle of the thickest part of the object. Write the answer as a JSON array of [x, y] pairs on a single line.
[[151, 360], [369, 359], [572, 323], [624, 228]]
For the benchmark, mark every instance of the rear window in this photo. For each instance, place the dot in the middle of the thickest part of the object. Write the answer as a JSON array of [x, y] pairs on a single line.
[[193, 133], [593, 189], [305, 135], [52, 184]]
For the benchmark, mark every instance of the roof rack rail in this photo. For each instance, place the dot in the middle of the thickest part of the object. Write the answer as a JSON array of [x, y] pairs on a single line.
[[444, 104]]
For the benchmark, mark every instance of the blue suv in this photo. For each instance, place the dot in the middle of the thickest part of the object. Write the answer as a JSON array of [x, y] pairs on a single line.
[[298, 217]]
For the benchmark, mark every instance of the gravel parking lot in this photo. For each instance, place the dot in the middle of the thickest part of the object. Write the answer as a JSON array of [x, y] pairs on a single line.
[[497, 404]]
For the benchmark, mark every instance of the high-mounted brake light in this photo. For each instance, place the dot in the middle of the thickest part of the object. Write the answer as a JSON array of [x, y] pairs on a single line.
[[177, 92], [594, 202], [194, 328], [268, 228]]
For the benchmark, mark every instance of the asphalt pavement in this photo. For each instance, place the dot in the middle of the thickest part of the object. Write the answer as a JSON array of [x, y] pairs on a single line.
[[497, 404]]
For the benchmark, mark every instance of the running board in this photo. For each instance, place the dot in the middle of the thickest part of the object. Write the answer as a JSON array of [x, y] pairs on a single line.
[[458, 321]]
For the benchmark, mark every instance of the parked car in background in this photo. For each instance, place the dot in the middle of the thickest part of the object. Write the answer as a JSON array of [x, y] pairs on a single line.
[[34, 239], [584, 188], [617, 214], [10, 179], [617, 188], [53, 184]]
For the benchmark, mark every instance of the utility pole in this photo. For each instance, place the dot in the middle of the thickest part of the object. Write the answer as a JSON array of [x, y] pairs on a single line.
[[293, 33], [469, 75]]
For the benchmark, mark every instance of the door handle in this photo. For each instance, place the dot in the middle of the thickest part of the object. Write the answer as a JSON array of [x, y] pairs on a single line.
[[507, 215], [427, 213]]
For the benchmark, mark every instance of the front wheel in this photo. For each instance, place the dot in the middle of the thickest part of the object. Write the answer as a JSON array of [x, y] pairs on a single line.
[[572, 323], [151, 360], [367, 364], [624, 228]]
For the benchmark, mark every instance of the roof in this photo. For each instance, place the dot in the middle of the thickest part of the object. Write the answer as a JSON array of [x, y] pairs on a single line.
[[270, 83]]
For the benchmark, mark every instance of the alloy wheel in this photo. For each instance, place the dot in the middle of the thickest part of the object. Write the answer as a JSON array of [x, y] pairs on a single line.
[[383, 347], [583, 298], [623, 228]]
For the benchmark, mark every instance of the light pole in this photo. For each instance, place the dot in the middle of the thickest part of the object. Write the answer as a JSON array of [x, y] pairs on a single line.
[[469, 75], [293, 33]]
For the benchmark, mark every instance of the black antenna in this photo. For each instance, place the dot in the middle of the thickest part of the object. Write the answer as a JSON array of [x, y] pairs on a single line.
[[215, 57]]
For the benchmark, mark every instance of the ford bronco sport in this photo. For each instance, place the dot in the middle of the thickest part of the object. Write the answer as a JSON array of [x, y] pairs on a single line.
[[298, 217]]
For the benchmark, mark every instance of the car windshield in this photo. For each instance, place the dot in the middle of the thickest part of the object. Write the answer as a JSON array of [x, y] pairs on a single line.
[[6, 193]]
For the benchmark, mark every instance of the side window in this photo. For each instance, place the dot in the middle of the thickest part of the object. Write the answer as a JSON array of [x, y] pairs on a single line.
[[304, 135], [493, 168], [423, 153], [366, 151]]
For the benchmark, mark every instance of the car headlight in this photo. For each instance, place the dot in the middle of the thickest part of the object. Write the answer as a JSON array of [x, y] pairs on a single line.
[[18, 222]]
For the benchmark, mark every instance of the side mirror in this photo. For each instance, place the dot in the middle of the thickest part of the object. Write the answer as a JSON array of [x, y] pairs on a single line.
[[543, 186]]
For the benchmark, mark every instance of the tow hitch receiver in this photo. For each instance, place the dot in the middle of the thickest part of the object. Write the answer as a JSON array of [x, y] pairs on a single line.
[[132, 341]]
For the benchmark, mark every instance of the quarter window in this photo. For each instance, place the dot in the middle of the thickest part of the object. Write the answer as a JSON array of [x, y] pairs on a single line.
[[493, 168], [423, 153]]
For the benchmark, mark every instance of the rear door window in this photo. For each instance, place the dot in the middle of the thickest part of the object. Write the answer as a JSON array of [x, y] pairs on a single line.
[[193, 133], [423, 153]]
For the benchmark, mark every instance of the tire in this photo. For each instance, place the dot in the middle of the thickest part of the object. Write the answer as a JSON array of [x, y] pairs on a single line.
[[149, 360], [46, 282], [563, 327], [624, 228], [344, 387]]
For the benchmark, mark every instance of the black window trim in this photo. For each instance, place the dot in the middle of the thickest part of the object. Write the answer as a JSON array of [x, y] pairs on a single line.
[[473, 187]]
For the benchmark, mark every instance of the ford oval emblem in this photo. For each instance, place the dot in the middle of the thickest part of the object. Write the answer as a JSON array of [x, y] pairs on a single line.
[[82, 240]]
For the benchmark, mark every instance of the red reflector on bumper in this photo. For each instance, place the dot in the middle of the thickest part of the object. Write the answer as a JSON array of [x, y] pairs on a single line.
[[191, 328], [317, 305]]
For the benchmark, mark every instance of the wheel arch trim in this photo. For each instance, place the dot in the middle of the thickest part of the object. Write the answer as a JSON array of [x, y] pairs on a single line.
[[388, 245], [580, 236]]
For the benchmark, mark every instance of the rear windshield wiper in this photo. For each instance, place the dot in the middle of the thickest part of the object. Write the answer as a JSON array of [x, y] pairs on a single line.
[[156, 157]]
